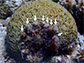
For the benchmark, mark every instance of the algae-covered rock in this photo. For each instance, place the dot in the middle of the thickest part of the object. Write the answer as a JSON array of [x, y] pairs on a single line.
[[66, 23], [5, 11], [39, 41]]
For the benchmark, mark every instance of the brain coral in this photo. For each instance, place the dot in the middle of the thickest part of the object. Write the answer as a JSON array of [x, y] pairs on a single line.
[[66, 23]]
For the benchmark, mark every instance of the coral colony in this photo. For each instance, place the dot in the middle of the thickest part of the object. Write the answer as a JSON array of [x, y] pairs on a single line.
[[42, 31], [47, 30], [35, 18]]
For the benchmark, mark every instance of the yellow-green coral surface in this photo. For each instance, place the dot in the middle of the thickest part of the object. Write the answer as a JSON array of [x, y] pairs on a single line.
[[66, 23]]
